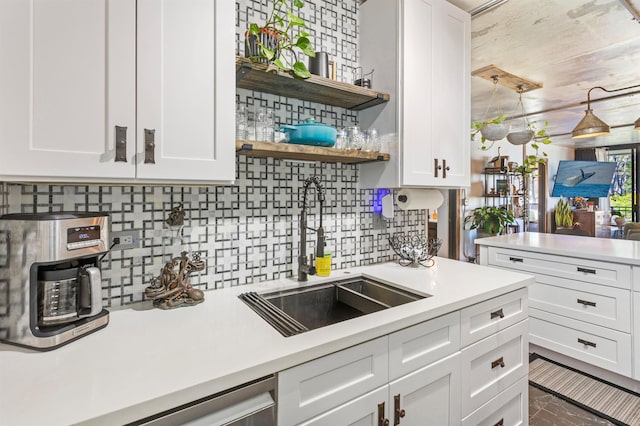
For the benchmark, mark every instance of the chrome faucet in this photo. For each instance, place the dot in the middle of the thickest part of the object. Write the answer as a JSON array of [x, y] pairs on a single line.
[[305, 265]]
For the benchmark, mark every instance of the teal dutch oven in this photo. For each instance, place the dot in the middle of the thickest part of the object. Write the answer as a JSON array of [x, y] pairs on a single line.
[[310, 133]]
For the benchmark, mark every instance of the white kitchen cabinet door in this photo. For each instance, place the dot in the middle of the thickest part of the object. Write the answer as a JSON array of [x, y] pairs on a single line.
[[67, 79], [429, 396], [362, 411], [420, 50], [435, 77], [186, 90]]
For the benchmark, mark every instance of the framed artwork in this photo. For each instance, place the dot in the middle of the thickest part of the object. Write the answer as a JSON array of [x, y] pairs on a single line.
[[502, 186]]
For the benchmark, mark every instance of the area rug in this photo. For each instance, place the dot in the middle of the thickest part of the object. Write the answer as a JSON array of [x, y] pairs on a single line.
[[619, 406]]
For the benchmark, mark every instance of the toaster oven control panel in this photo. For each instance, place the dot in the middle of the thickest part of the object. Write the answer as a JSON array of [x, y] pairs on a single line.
[[83, 237]]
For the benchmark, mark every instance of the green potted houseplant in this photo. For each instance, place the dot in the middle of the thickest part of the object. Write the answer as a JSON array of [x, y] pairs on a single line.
[[563, 214], [531, 161], [283, 31], [490, 220], [493, 129]]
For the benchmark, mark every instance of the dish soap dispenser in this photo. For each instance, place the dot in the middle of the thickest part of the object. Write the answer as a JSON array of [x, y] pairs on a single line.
[[323, 264]]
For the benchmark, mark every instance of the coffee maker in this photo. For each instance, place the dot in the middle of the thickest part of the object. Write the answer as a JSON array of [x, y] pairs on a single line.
[[50, 281]]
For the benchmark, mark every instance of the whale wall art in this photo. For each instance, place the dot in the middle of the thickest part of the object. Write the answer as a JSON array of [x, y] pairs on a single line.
[[588, 179]]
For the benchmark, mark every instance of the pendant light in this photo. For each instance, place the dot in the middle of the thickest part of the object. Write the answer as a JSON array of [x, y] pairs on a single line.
[[590, 125]]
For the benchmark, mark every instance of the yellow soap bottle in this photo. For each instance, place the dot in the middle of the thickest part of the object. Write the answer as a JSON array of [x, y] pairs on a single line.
[[323, 264]]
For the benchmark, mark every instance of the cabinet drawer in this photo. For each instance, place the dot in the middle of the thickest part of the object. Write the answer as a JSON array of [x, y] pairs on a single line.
[[509, 408], [596, 304], [592, 271], [492, 365], [603, 347], [317, 386], [422, 344], [485, 318]]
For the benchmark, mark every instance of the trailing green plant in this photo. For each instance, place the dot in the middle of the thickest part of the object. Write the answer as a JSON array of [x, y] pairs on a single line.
[[563, 214], [288, 30], [477, 126], [491, 219], [531, 161]]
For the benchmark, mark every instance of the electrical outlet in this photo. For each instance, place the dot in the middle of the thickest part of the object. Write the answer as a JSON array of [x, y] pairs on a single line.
[[127, 239]]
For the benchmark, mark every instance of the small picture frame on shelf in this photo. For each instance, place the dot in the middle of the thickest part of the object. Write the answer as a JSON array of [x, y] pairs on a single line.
[[502, 186]]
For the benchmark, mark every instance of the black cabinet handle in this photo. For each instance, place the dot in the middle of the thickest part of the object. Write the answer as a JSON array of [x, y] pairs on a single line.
[[446, 169], [516, 259], [149, 146], [398, 412], [586, 303], [121, 144], [498, 362], [382, 421], [497, 314], [500, 422], [586, 342], [436, 167], [586, 270]]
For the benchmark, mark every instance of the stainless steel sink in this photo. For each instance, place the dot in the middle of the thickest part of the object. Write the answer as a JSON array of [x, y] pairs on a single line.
[[298, 310]]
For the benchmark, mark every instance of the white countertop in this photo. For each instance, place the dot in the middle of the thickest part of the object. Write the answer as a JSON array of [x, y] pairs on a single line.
[[148, 360], [603, 249]]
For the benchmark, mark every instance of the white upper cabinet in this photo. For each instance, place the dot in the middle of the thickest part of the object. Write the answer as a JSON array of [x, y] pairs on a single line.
[[420, 51], [71, 93], [67, 79], [186, 89]]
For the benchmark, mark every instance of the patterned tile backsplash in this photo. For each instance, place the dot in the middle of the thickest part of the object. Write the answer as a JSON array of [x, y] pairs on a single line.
[[247, 232]]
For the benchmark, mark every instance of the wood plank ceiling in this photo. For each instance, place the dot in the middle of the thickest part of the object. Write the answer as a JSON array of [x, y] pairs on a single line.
[[569, 46]]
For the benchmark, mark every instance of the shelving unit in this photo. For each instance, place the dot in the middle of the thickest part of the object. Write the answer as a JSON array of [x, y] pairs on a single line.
[[269, 79], [305, 152], [503, 183]]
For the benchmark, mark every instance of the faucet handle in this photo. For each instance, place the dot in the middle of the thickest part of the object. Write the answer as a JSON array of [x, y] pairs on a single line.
[[312, 268]]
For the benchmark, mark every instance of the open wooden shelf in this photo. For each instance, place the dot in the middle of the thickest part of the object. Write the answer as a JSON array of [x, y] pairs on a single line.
[[269, 79], [306, 152]]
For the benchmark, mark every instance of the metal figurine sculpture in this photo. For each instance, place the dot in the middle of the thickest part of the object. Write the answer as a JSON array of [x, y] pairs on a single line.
[[176, 217], [171, 289]]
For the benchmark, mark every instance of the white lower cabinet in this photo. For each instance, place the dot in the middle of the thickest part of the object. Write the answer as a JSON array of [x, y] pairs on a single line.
[[599, 346], [317, 386], [493, 364], [362, 411], [509, 408], [636, 338], [579, 307], [429, 396], [415, 376]]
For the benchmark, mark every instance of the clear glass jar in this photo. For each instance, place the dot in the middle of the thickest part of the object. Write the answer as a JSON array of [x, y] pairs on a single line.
[[342, 139], [373, 141], [357, 138]]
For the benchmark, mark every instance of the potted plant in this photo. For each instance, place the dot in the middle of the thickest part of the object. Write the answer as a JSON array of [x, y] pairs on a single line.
[[268, 42], [490, 220], [493, 129], [563, 214]]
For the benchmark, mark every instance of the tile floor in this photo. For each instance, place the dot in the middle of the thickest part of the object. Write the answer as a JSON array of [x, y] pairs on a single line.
[[548, 410]]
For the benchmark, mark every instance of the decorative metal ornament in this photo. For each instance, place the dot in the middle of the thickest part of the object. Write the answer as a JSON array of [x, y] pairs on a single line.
[[176, 216], [414, 250], [171, 289]]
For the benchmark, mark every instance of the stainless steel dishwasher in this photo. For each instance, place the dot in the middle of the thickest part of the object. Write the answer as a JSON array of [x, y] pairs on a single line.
[[250, 404]]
